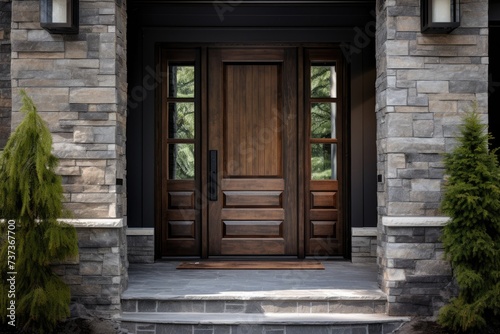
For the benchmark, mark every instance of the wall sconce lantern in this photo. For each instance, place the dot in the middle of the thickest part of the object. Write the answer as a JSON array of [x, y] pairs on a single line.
[[439, 16], [59, 16]]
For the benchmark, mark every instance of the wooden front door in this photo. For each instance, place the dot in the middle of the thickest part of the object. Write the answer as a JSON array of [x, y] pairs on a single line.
[[251, 152], [252, 131]]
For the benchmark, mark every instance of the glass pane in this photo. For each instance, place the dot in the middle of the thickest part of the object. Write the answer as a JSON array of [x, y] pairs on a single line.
[[181, 120], [181, 81], [323, 80], [441, 10], [323, 161], [323, 116], [181, 161]]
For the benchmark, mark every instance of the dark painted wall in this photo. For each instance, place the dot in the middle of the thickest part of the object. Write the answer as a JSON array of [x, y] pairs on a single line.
[[494, 73], [350, 26]]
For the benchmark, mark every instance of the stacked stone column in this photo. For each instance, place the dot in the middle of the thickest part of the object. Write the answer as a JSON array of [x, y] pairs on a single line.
[[425, 83], [78, 83], [5, 90]]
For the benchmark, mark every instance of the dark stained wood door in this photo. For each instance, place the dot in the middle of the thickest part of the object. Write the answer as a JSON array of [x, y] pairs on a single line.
[[252, 143]]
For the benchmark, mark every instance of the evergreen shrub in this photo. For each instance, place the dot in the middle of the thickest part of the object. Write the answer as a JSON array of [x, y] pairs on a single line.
[[471, 239], [31, 201]]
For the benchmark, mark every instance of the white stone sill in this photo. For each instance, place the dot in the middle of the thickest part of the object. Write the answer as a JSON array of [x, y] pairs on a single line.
[[392, 221], [91, 223], [140, 231], [94, 223], [364, 231]]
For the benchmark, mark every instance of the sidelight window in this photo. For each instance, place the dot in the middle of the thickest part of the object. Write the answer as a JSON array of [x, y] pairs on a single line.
[[181, 121], [323, 120]]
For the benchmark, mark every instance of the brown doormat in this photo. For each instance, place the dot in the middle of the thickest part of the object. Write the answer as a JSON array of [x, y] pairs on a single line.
[[253, 265]]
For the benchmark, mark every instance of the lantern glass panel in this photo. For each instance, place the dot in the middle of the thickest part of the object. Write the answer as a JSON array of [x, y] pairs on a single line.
[[59, 11], [441, 10]]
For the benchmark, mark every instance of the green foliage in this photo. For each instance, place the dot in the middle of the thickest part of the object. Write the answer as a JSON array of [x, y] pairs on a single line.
[[323, 116], [472, 237], [31, 196]]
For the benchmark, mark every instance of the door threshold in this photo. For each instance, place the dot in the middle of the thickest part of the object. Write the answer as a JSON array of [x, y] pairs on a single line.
[[254, 258]]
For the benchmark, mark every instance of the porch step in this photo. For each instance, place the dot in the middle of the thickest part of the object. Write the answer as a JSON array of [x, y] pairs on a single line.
[[343, 298], [286, 312], [275, 323], [255, 303]]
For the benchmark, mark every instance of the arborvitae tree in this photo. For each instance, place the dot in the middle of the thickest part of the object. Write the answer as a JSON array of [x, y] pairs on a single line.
[[31, 196], [471, 239]]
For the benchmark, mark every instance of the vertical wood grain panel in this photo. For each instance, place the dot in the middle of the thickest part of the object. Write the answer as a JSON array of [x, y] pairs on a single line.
[[252, 121]]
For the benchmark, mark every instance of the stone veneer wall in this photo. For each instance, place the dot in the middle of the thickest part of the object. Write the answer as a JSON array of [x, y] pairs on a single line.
[[78, 83], [141, 245], [364, 245], [424, 85], [5, 85], [95, 277], [417, 279]]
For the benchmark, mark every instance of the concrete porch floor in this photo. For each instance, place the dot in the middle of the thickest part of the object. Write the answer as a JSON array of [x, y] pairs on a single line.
[[340, 279]]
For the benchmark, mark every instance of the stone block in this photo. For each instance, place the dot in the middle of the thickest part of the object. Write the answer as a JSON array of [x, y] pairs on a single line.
[[415, 145], [83, 134], [92, 256], [425, 196], [432, 87], [441, 39], [408, 23], [92, 95], [398, 194], [411, 109], [55, 46], [407, 251], [405, 208], [75, 49], [425, 185], [77, 64], [418, 101], [406, 239], [433, 234], [86, 290], [432, 267], [110, 290], [104, 134], [397, 47], [471, 87], [111, 265], [68, 170], [440, 72], [93, 175], [46, 99], [399, 125], [40, 36], [396, 96], [25, 11], [423, 128], [102, 237], [405, 62], [391, 274], [406, 309], [90, 268]]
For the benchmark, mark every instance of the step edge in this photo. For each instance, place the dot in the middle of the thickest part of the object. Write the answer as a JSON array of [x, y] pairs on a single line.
[[202, 298], [280, 319]]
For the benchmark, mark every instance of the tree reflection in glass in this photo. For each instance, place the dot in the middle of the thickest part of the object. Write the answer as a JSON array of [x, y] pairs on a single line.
[[323, 121], [181, 121]]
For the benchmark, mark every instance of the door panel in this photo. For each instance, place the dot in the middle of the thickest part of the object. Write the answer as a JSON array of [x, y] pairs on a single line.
[[179, 151], [236, 179], [255, 134], [324, 126]]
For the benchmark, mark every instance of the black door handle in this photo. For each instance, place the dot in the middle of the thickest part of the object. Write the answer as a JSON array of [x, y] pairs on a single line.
[[212, 175]]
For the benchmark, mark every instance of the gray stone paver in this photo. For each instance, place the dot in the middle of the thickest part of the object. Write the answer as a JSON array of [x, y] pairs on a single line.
[[339, 279]]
